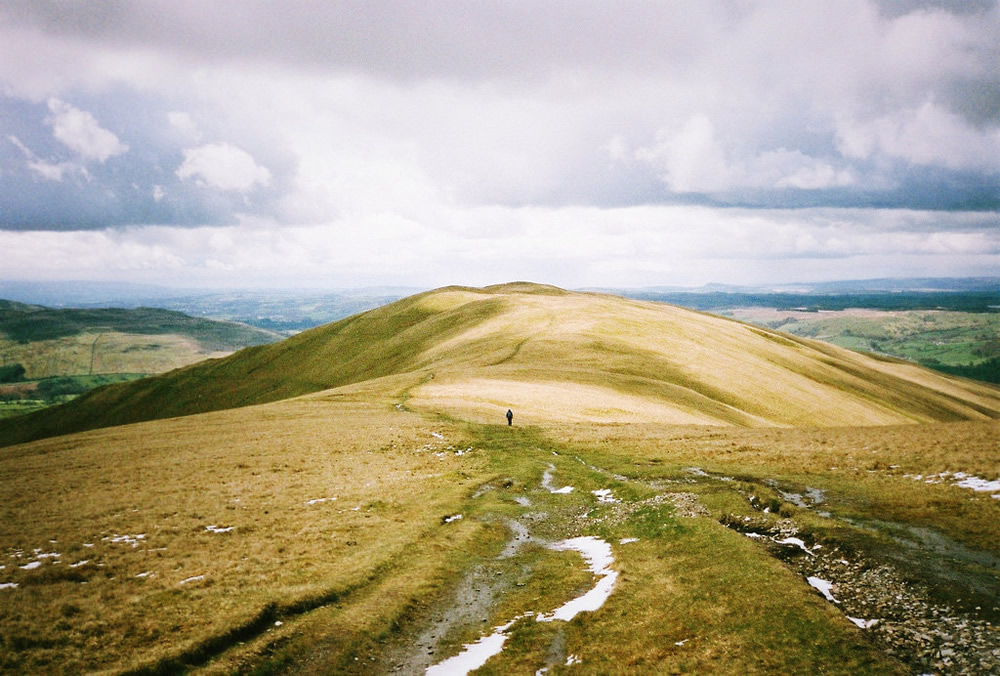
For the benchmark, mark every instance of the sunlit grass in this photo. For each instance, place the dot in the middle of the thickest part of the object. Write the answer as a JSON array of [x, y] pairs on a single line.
[[157, 582], [329, 513]]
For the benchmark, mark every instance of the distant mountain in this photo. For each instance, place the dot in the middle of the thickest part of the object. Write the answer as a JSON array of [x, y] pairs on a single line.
[[284, 310], [858, 286], [555, 355], [59, 294]]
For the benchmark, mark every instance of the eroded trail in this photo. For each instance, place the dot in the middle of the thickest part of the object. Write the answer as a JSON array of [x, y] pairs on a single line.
[[596, 553]]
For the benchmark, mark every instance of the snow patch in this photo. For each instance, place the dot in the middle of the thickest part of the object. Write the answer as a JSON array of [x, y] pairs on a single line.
[[863, 624], [797, 542], [316, 501], [823, 586], [455, 517], [31, 566], [79, 563], [604, 495], [8, 585], [195, 578], [133, 540], [547, 482], [475, 654], [218, 529], [625, 541], [597, 553], [148, 573], [962, 480], [979, 485]]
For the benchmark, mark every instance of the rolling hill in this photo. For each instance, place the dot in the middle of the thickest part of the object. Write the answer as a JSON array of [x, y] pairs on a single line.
[[59, 342], [552, 355]]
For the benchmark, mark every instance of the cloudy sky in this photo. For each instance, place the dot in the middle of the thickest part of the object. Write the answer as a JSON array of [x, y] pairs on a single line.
[[262, 143]]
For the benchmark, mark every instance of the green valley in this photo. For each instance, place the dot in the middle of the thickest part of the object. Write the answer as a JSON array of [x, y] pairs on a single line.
[[51, 355]]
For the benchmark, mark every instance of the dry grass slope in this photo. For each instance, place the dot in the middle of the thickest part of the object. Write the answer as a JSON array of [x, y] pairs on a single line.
[[320, 533], [552, 355]]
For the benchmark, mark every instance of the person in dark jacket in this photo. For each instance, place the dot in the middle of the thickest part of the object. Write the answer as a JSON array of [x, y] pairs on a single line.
[[510, 417]]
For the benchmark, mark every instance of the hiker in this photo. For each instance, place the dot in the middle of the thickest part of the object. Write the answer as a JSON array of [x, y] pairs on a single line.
[[510, 417]]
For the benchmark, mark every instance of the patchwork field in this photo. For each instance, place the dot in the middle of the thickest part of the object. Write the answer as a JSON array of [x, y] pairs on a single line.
[[837, 515], [963, 343]]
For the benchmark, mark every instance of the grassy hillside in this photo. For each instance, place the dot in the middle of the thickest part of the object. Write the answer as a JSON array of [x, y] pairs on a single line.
[[51, 342], [39, 345], [31, 323], [757, 511], [337, 533], [59, 342], [551, 355]]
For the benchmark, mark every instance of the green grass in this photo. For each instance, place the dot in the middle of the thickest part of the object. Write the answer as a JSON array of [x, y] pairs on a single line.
[[28, 323], [952, 340]]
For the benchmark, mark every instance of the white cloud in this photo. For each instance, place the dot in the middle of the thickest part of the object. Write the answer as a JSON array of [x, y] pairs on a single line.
[[184, 124], [577, 246], [50, 171], [223, 166], [80, 132], [693, 160], [926, 135], [56, 171], [406, 150]]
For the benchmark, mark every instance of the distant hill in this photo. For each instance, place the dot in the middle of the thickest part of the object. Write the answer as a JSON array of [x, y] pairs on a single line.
[[551, 355], [48, 355], [282, 310], [24, 323]]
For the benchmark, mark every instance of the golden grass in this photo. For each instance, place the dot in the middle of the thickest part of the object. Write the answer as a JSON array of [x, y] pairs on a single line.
[[687, 366], [253, 470], [485, 400], [588, 357], [867, 467], [597, 385]]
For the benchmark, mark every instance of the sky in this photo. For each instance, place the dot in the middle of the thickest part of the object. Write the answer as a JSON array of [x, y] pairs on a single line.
[[253, 144]]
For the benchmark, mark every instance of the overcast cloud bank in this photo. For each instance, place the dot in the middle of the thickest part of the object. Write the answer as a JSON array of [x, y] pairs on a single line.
[[578, 143]]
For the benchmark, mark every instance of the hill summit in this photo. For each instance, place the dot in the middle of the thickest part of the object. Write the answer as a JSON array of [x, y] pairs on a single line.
[[550, 355]]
